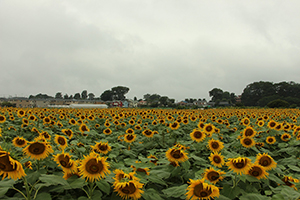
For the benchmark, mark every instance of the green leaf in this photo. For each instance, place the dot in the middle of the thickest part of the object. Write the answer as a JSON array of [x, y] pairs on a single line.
[[44, 196], [53, 180], [7, 183], [294, 168], [103, 185], [251, 178], [290, 192], [277, 197], [3, 191], [161, 173], [274, 178], [156, 179], [76, 182], [268, 192], [230, 192], [253, 196], [283, 145], [186, 165], [151, 194], [176, 191], [97, 194]]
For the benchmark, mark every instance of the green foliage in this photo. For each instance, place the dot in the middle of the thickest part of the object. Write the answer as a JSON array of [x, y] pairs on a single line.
[[278, 103]]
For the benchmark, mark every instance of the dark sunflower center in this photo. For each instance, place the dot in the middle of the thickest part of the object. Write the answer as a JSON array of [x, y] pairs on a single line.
[[174, 125], [198, 134], [61, 141], [265, 161], [93, 166], [83, 128], [272, 124], [215, 145], [20, 141], [1, 118], [208, 129], [239, 165], [176, 153], [129, 189], [147, 132], [2, 166], [129, 137], [217, 159], [212, 176], [37, 148], [246, 121], [255, 171], [5, 164], [249, 132], [68, 133], [199, 191], [103, 147], [248, 141]]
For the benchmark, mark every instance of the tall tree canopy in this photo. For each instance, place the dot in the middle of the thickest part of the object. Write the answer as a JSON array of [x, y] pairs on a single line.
[[119, 92], [261, 93]]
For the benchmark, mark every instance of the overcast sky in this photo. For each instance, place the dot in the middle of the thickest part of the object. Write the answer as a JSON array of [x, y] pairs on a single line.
[[175, 48]]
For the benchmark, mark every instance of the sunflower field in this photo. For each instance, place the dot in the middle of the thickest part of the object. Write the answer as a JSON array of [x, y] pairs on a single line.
[[151, 154]]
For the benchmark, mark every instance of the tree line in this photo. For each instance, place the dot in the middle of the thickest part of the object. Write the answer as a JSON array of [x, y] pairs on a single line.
[[262, 93]]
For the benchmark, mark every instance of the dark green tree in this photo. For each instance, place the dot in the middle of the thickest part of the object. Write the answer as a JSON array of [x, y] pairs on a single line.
[[107, 95], [66, 96], [84, 94], [216, 94], [119, 92], [76, 96], [58, 95], [278, 103], [91, 96]]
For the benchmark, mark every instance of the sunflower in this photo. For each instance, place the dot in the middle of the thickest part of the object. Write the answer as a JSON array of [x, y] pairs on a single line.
[[175, 125], [68, 132], [176, 155], [83, 128], [249, 132], [38, 150], [121, 176], [46, 135], [129, 189], [21, 113], [259, 144], [213, 176], [28, 164], [61, 141], [270, 140], [148, 133], [46, 120], [107, 131], [209, 129], [247, 142], [153, 159], [72, 121], [65, 162], [266, 161], [199, 190], [2, 118], [9, 167], [245, 121], [197, 135], [216, 159], [19, 142], [129, 138], [101, 147], [288, 180], [285, 137], [272, 124], [257, 171], [93, 167], [215, 145], [260, 123], [240, 165]]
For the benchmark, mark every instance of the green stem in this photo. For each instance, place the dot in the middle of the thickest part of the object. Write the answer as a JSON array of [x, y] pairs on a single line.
[[28, 191], [19, 192], [234, 181]]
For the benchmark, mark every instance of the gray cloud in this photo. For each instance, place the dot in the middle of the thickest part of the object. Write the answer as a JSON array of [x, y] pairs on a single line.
[[180, 49]]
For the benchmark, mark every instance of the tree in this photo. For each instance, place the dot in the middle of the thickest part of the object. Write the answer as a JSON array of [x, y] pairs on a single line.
[[91, 96], [216, 94], [66, 96], [119, 92], [146, 96], [278, 103], [164, 100], [77, 96], [134, 99], [255, 91], [58, 95], [107, 95], [84, 94]]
